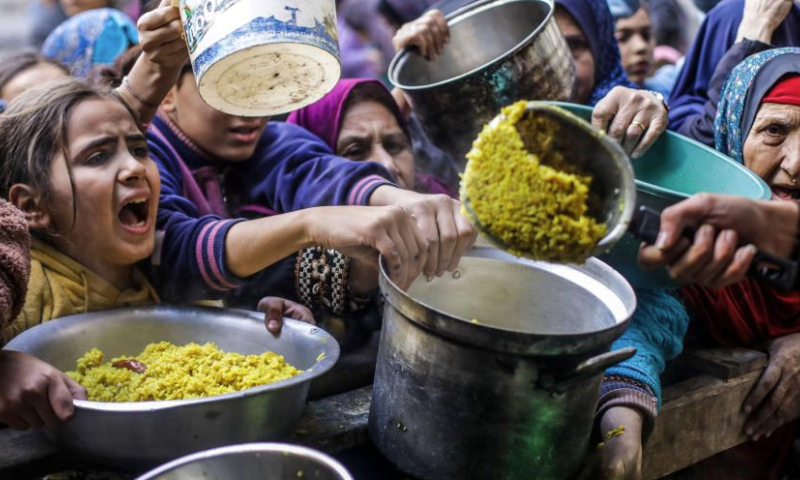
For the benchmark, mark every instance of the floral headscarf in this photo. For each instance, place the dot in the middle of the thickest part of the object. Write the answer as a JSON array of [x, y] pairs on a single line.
[[742, 93], [594, 18], [94, 37]]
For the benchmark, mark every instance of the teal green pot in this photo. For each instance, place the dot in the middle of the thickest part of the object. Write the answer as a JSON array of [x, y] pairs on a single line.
[[675, 168]]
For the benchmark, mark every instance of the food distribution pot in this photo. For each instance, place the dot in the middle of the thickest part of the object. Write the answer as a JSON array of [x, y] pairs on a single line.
[[144, 434], [493, 372], [500, 51]]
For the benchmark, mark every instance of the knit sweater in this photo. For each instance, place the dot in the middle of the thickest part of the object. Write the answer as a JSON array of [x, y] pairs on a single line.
[[15, 262]]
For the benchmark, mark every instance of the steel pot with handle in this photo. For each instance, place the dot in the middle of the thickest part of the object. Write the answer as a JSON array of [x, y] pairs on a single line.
[[493, 372], [500, 51]]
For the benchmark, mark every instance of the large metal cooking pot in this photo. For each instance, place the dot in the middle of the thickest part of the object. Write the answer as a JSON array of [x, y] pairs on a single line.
[[252, 461], [144, 434], [493, 372], [500, 51]]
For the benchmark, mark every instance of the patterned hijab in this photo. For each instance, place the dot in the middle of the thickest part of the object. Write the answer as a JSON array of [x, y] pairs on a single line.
[[742, 93], [94, 37], [594, 18]]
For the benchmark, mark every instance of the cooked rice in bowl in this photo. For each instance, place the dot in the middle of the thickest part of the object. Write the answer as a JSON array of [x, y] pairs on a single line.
[[522, 192], [164, 371]]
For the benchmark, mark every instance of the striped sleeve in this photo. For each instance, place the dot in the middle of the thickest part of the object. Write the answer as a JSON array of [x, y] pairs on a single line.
[[361, 191], [209, 255]]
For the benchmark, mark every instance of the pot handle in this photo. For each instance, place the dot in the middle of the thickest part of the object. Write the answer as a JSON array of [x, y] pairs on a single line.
[[586, 369]]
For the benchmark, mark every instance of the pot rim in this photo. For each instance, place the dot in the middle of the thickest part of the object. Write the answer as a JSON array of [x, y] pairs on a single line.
[[453, 19], [512, 341], [261, 447], [330, 348]]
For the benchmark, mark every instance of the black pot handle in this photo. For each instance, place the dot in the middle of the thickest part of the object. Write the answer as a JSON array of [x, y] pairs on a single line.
[[775, 271], [587, 368]]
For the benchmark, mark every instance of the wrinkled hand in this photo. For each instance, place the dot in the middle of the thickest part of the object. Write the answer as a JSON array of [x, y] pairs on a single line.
[[447, 233], [363, 232], [726, 226], [161, 36], [634, 118], [761, 18], [33, 393], [775, 400], [621, 457], [429, 33], [275, 308]]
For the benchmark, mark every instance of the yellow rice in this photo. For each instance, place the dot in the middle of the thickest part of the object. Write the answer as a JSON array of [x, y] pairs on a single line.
[[529, 200], [174, 373]]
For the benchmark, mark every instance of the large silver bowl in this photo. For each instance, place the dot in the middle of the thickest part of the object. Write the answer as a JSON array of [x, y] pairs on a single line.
[[144, 434], [254, 461]]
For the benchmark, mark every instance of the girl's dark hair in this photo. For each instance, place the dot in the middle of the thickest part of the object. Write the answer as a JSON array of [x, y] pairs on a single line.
[[13, 64], [112, 75], [33, 130]]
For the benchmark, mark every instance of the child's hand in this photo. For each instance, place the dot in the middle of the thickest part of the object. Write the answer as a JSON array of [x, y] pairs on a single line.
[[161, 36], [620, 457], [428, 33], [276, 308], [33, 393]]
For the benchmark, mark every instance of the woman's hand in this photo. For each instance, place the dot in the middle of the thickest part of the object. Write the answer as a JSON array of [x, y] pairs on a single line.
[[429, 33], [161, 36], [33, 393], [447, 233], [761, 18], [728, 230], [775, 400], [275, 308], [634, 118], [620, 457]]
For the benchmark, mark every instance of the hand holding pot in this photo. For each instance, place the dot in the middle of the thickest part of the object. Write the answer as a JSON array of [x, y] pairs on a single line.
[[775, 400], [634, 118], [275, 308], [429, 33], [34, 393]]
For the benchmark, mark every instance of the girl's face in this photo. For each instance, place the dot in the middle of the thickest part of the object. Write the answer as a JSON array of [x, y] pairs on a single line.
[[115, 196], [581, 54], [636, 44], [225, 137], [370, 132], [772, 149], [74, 7], [29, 78]]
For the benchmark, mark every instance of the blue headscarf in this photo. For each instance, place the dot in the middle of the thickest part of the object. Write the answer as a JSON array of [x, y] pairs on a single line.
[[594, 18], [94, 37], [742, 92]]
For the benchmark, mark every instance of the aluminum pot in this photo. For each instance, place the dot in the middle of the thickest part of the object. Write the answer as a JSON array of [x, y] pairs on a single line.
[[144, 434], [493, 372], [500, 51], [253, 461]]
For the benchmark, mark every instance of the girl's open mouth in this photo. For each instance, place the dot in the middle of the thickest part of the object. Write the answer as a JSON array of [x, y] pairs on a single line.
[[246, 134], [134, 215], [785, 193]]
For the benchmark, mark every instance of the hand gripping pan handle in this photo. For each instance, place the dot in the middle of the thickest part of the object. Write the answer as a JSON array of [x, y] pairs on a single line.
[[775, 271]]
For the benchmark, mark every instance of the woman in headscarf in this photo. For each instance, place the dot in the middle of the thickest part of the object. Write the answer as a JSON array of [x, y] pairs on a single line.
[[758, 124], [733, 30], [360, 120], [95, 37]]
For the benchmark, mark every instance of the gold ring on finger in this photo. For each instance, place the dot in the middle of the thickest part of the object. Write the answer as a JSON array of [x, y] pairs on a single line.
[[639, 124]]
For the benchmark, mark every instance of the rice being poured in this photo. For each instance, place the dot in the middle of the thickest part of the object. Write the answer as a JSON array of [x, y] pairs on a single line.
[[531, 201], [163, 371]]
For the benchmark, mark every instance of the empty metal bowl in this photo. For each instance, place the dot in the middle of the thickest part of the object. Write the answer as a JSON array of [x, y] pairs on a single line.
[[255, 461], [144, 434]]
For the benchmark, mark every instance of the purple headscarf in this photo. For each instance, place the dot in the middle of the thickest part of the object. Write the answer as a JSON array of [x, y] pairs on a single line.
[[324, 119], [594, 18]]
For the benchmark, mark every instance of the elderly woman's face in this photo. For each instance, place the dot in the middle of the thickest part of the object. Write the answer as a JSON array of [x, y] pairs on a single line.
[[772, 149], [370, 133], [74, 7], [581, 54]]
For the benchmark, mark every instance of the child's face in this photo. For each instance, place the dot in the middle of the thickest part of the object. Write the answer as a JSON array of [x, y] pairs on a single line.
[[116, 190], [636, 44], [226, 137], [74, 7]]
